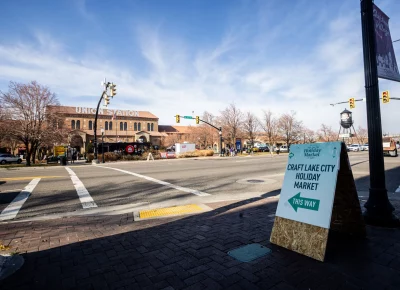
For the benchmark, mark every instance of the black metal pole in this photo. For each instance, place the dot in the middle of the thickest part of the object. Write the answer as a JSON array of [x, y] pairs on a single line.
[[95, 130], [378, 211], [102, 145]]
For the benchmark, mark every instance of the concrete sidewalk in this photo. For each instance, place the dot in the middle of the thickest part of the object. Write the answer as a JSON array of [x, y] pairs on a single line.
[[190, 252]]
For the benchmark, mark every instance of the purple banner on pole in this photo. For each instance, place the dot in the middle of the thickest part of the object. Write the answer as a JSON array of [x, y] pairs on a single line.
[[385, 58]]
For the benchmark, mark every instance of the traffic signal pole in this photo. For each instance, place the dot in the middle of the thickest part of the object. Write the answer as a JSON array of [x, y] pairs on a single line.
[[107, 100], [379, 210], [219, 132], [177, 118], [95, 160]]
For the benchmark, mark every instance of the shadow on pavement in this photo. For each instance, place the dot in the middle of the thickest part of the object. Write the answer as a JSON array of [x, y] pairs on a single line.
[[191, 252]]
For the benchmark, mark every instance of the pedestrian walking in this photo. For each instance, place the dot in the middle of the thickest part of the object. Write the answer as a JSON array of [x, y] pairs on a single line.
[[73, 157]]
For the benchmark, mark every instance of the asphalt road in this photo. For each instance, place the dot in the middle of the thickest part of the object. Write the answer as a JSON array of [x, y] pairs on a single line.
[[125, 186]]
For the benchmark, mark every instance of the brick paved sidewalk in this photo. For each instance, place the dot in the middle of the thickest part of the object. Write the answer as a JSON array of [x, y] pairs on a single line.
[[191, 253]]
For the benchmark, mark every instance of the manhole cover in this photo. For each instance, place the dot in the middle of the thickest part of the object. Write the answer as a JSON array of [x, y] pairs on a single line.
[[255, 180]]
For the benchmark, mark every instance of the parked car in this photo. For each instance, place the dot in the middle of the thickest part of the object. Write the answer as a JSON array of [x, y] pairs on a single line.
[[354, 147], [53, 159], [365, 147], [263, 149], [9, 158], [282, 148]]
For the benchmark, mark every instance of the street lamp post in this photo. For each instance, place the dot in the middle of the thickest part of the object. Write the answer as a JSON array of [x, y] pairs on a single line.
[[102, 143], [379, 210], [220, 141]]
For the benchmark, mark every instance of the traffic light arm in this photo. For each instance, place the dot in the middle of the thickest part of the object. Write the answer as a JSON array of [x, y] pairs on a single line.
[[358, 100], [219, 129]]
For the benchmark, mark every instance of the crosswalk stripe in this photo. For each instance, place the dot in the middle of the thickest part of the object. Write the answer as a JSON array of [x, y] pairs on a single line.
[[13, 208], [84, 196], [185, 189]]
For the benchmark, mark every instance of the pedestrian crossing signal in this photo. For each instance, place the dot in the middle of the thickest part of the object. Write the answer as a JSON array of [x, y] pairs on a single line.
[[178, 118], [352, 103], [385, 97], [197, 120]]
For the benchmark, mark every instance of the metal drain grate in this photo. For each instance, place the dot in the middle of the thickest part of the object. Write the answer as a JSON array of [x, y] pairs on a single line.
[[255, 180]]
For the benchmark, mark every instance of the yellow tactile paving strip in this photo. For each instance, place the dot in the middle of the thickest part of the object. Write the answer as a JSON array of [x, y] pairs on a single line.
[[175, 210], [27, 177]]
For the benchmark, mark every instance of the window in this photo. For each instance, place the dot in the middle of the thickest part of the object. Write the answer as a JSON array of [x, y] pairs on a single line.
[[78, 124], [125, 126], [152, 127], [121, 126], [110, 126], [139, 126], [72, 124], [148, 126], [90, 125], [135, 126]]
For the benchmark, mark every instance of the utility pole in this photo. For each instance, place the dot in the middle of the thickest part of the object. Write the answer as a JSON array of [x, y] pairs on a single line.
[[379, 210]]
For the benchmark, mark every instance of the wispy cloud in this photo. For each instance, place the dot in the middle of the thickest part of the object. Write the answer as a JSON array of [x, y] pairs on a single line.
[[258, 63]]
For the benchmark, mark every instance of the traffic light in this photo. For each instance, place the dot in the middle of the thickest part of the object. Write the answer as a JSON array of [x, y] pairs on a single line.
[[178, 118], [113, 90], [352, 103], [385, 97], [197, 120], [106, 100]]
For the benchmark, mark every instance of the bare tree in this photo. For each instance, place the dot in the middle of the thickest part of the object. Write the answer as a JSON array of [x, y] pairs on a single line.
[[30, 122], [290, 128], [231, 120], [251, 126], [326, 134], [309, 136], [270, 126], [362, 134]]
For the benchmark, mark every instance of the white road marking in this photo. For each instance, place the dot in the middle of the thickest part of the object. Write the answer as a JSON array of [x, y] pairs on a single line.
[[398, 190], [196, 192], [84, 196], [13, 208]]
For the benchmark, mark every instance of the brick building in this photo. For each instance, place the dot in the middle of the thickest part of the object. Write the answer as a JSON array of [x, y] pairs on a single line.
[[118, 125]]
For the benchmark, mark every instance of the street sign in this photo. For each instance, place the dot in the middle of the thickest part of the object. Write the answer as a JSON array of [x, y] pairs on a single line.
[[310, 175], [187, 117], [318, 194], [301, 202], [129, 149]]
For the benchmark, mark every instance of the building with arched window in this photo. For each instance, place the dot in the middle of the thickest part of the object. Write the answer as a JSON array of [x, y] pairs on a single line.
[[118, 125]]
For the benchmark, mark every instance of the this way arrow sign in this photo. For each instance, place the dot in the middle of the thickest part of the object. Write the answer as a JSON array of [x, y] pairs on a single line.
[[301, 202]]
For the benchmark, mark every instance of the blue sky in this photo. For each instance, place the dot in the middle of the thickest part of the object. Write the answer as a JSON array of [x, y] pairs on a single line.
[[170, 57]]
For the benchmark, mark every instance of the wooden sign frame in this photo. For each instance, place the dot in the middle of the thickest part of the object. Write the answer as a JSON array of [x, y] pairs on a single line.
[[311, 240]]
